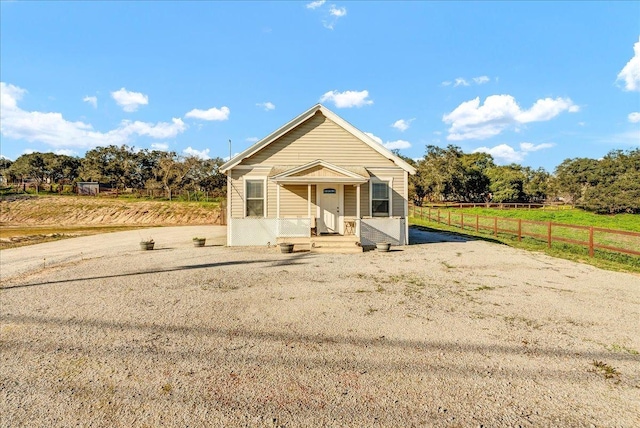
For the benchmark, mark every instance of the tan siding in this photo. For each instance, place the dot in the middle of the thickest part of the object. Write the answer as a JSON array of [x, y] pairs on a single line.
[[398, 187], [350, 209], [237, 190], [293, 201], [364, 200], [318, 138], [237, 194], [272, 199], [318, 171]]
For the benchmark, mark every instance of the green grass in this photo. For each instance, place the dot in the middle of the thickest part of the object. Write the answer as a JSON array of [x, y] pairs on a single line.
[[576, 216], [603, 259]]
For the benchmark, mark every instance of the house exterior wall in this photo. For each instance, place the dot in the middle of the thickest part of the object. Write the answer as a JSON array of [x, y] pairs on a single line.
[[350, 208], [318, 138], [293, 201], [397, 187]]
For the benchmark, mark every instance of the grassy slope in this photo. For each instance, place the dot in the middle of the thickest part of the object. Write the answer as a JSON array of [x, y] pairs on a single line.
[[45, 218]]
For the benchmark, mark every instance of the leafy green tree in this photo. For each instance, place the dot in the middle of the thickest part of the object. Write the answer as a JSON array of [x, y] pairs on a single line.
[[30, 166], [507, 183], [475, 182], [440, 173]]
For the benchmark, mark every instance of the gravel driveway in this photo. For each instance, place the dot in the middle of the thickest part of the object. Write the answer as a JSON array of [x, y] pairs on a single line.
[[448, 332]]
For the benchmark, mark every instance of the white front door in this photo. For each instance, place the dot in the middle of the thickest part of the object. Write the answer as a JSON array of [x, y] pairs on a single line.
[[329, 203]]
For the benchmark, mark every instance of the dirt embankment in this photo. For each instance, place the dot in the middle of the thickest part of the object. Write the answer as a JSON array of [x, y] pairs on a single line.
[[86, 211]]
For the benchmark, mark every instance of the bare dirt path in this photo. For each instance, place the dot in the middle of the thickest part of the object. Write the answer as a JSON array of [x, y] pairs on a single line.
[[449, 332]]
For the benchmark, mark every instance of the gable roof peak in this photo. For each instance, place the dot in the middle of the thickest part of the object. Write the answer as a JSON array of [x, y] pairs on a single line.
[[302, 118]]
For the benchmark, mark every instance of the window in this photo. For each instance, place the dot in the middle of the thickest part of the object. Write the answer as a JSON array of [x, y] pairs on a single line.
[[380, 199], [255, 198]]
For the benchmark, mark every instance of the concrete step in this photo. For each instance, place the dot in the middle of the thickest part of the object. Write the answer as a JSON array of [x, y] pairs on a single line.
[[336, 250]]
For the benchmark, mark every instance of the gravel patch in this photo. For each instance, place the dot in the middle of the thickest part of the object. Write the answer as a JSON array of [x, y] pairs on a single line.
[[449, 332]]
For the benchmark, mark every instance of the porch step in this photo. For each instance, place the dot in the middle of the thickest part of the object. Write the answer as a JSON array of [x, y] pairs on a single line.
[[336, 250], [335, 244], [325, 244]]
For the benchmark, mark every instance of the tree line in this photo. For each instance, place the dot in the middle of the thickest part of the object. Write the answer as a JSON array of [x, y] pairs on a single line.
[[119, 167], [607, 185]]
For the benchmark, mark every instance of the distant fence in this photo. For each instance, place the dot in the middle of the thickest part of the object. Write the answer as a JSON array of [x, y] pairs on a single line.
[[619, 241], [501, 206]]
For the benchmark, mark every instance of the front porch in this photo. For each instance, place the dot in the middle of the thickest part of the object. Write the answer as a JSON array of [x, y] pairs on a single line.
[[251, 231]]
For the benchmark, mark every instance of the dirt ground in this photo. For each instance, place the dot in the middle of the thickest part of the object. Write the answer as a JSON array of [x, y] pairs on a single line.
[[445, 332]]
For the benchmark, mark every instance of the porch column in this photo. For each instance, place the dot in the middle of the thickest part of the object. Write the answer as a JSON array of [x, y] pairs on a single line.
[[277, 201], [309, 200], [358, 216]]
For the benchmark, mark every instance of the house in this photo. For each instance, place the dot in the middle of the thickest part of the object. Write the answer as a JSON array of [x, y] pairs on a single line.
[[317, 176]]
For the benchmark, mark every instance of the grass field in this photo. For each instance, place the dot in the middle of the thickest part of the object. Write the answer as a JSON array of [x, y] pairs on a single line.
[[630, 222], [508, 225]]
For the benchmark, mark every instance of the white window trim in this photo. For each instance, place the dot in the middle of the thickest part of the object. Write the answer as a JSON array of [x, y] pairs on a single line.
[[244, 196], [389, 181]]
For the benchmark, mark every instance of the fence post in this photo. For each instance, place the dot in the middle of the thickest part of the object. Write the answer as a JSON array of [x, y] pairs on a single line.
[[429, 213], [495, 226], [477, 223], [549, 235], [591, 241], [449, 220], [438, 215], [519, 230]]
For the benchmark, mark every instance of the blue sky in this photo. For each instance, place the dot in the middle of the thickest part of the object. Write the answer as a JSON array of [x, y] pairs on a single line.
[[534, 82]]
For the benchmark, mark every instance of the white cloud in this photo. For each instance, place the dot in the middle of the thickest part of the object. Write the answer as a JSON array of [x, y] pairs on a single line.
[[461, 81], [200, 154], [337, 12], [547, 109], [402, 125], [252, 139], [160, 130], [128, 100], [267, 106], [374, 137], [470, 120], [315, 4], [91, 100], [530, 147], [634, 117], [66, 152], [630, 74], [505, 154], [502, 153], [163, 147], [397, 144], [54, 130], [212, 114], [347, 99], [391, 145]]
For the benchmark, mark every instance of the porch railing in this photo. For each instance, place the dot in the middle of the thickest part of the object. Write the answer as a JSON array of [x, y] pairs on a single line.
[[263, 231]]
